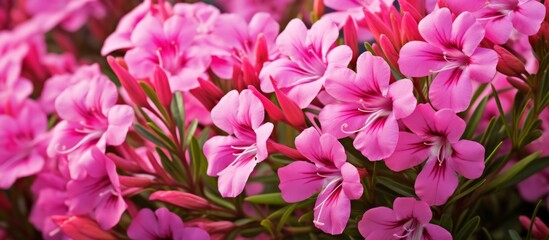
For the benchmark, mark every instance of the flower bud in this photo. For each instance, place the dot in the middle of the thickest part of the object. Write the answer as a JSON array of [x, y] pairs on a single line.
[[272, 110], [80, 228], [508, 63], [261, 52], [291, 111], [389, 51], [350, 37], [249, 74], [137, 182], [318, 8], [129, 83], [539, 229], [211, 226], [181, 199], [162, 86], [519, 84]]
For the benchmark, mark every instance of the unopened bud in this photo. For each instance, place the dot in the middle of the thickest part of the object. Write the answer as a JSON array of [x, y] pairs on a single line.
[[181, 199], [350, 37], [508, 63], [519, 84], [162, 86], [136, 93], [80, 228], [539, 229]]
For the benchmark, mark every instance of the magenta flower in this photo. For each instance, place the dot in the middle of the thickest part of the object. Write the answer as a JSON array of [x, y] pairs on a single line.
[[167, 44], [162, 224], [501, 17], [121, 37], [98, 194], [71, 14], [309, 55], [355, 9], [436, 137], [234, 157], [452, 52], [22, 143], [238, 41], [409, 219], [328, 173], [248, 8], [90, 119], [368, 105]]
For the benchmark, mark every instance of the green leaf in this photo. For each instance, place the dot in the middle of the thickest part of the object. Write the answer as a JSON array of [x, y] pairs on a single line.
[[199, 164], [267, 198], [267, 224], [172, 168], [501, 113], [521, 170], [446, 222], [190, 132], [468, 229], [219, 200], [486, 233], [307, 217], [285, 216], [514, 235], [466, 192], [532, 220], [150, 136], [475, 119], [177, 108], [162, 135], [154, 98], [399, 188]]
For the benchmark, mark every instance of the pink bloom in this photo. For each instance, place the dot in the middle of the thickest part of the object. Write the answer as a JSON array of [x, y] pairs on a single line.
[[234, 157], [436, 137], [168, 45], [368, 106], [90, 118], [337, 180], [50, 193], [13, 87], [162, 224], [409, 219], [501, 17], [308, 56], [22, 145], [72, 14], [98, 194], [355, 9], [237, 41], [248, 8], [202, 14], [452, 51], [121, 37], [56, 84]]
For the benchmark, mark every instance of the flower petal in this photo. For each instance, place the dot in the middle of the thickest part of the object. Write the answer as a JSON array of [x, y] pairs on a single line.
[[351, 181], [232, 179], [468, 158], [467, 33], [332, 210], [379, 140], [335, 117], [432, 231], [378, 223], [298, 181], [528, 16], [373, 73], [407, 208], [435, 28], [418, 59], [436, 183], [410, 152], [402, 94], [451, 89]]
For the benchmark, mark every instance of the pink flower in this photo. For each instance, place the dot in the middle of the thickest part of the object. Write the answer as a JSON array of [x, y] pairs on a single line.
[[409, 219], [501, 17], [328, 173], [50, 193], [452, 52], [13, 87], [238, 41], [168, 45], [368, 106], [22, 143], [121, 37], [248, 8], [98, 194], [308, 56], [162, 224], [234, 157], [436, 137], [355, 9], [90, 118], [72, 14]]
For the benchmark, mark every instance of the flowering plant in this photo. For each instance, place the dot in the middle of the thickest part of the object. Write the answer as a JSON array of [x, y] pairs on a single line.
[[248, 119]]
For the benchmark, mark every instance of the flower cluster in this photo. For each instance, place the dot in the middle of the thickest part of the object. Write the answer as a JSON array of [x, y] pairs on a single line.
[[172, 120]]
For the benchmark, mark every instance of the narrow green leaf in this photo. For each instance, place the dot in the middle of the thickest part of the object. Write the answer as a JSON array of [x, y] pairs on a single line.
[[521, 170], [501, 113], [532, 220], [190, 132], [395, 186], [466, 192], [307, 217], [177, 108], [446, 222], [514, 235], [162, 136], [486, 233], [154, 98], [170, 166], [149, 136], [475, 119], [218, 200], [468, 229], [267, 198], [284, 218], [369, 48], [199, 163], [268, 225]]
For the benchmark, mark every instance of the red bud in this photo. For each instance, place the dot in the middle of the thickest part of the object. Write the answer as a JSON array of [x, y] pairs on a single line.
[[273, 111], [211, 226], [249, 74], [291, 111], [162, 86], [261, 52], [81, 228], [350, 37], [129, 83], [137, 182], [409, 29], [181, 199], [318, 8], [539, 229], [508, 63], [288, 151], [389, 51], [519, 84]]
